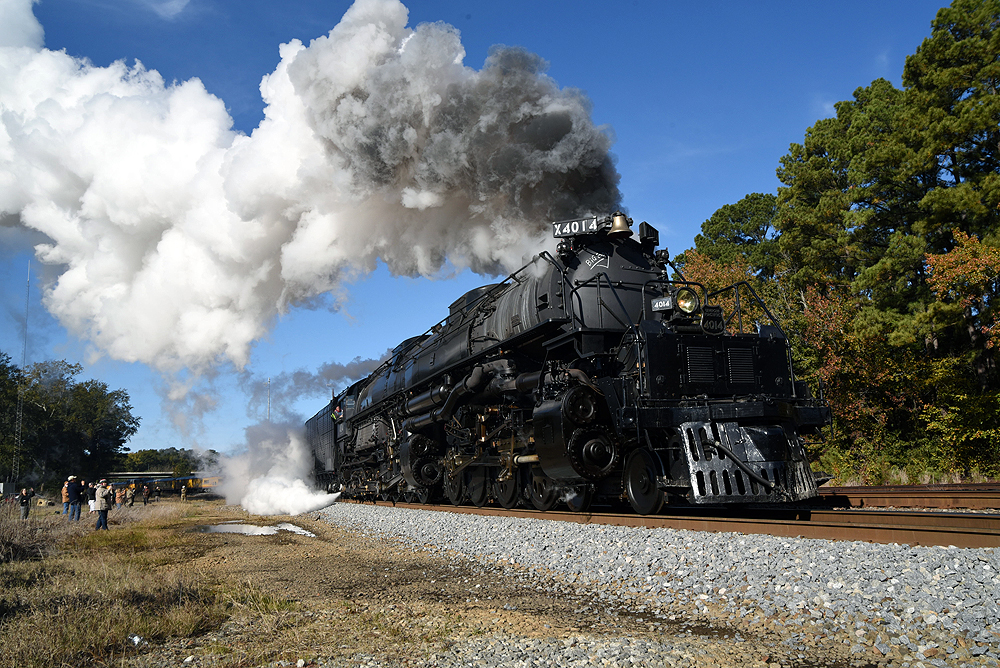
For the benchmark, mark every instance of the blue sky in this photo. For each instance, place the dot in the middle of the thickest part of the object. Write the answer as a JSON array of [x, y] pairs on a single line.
[[702, 99]]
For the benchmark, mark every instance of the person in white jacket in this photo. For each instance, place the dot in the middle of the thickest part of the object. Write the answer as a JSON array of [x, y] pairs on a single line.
[[102, 503]]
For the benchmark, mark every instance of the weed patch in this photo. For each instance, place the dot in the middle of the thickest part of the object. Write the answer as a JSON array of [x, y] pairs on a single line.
[[92, 596]]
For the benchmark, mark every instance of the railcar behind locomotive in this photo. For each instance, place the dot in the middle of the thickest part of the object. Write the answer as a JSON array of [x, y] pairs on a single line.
[[588, 374]]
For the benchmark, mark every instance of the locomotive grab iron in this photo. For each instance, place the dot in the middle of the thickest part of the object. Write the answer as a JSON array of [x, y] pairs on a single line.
[[586, 375]]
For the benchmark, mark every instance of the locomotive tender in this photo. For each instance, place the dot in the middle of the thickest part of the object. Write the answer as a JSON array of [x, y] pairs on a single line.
[[586, 375]]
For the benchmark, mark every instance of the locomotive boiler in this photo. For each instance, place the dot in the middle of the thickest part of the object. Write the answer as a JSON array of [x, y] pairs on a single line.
[[591, 374]]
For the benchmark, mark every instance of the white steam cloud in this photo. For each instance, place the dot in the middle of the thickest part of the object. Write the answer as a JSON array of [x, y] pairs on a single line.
[[178, 241], [272, 476]]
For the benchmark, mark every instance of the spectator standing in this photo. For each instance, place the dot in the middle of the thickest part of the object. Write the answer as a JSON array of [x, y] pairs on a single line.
[[75, 491], [119, 497], [184, 493], [91, 496], [24, 499], [65, 497], [130, 496], [157, 497], [102, 503], [145, 494]]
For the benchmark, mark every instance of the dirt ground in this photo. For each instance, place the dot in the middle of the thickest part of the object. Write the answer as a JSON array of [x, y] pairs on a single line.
[[341, 595]]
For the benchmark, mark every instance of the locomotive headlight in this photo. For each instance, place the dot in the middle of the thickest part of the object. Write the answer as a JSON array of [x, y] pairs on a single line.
[[687, 300]]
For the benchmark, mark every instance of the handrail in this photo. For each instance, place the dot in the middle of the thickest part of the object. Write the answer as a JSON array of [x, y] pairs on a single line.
[[667, 281], [489, 296], [774, 321], [738, 310]]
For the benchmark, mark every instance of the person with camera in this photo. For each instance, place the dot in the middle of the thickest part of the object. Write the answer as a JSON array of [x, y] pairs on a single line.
[[65, 497], [24, 499], [76, 492], [103, 498]]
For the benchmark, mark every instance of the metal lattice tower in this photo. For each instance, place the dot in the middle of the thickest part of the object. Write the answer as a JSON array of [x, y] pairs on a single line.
[[15, 469]]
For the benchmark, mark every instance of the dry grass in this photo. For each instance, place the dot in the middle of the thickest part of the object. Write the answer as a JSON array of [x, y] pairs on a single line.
[[90, 594]]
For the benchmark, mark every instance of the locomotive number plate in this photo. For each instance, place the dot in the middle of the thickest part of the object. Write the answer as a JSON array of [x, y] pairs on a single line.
[[712, 320], [662, 304], [570, 228]]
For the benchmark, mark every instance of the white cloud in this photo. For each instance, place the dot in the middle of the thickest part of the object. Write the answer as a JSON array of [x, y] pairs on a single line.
[[179, 241], [167, 9], [19, 26]]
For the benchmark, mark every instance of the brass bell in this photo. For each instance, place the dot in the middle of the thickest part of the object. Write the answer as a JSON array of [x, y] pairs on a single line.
[[620, 226]]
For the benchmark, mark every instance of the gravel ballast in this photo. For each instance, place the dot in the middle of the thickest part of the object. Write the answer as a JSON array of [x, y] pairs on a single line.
[[863, 603]]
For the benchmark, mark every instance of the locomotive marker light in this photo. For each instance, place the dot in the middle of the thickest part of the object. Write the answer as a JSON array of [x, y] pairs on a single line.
[[564, 250]]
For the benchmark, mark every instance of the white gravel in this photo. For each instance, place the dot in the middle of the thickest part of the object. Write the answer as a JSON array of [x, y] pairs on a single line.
[[938, 606]]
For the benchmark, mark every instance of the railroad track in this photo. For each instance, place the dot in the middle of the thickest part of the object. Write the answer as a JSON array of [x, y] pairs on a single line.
[[875, 526], [966, 496]]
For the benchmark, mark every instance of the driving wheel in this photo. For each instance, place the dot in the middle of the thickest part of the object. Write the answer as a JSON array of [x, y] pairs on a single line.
[[640, 483], [477, 488], [454, 487], [542, 493], [507, 492]]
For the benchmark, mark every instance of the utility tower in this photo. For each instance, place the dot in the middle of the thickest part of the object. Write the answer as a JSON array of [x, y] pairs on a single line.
[[15, 469]]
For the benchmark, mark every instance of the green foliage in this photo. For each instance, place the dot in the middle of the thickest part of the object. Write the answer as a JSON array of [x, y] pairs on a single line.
[[67, 427], [742, 234], [10, 377], [882, 256], [179, 461], [963, 421]]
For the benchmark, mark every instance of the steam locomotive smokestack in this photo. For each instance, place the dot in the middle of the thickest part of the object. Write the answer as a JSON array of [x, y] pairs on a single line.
[[176, 241]]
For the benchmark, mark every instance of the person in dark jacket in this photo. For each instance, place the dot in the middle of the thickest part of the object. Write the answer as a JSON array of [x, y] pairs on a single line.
[[76, 495], [24, 499]]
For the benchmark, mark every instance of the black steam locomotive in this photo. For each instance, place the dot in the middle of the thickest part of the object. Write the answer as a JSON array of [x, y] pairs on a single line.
[[586, 375]]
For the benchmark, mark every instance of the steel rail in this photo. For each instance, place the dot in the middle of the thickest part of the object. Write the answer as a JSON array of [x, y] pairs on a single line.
[[969, 530], [965, 496]]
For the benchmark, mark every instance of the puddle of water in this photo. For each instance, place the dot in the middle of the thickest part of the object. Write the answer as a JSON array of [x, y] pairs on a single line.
[[285, 526], [252, 530]]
